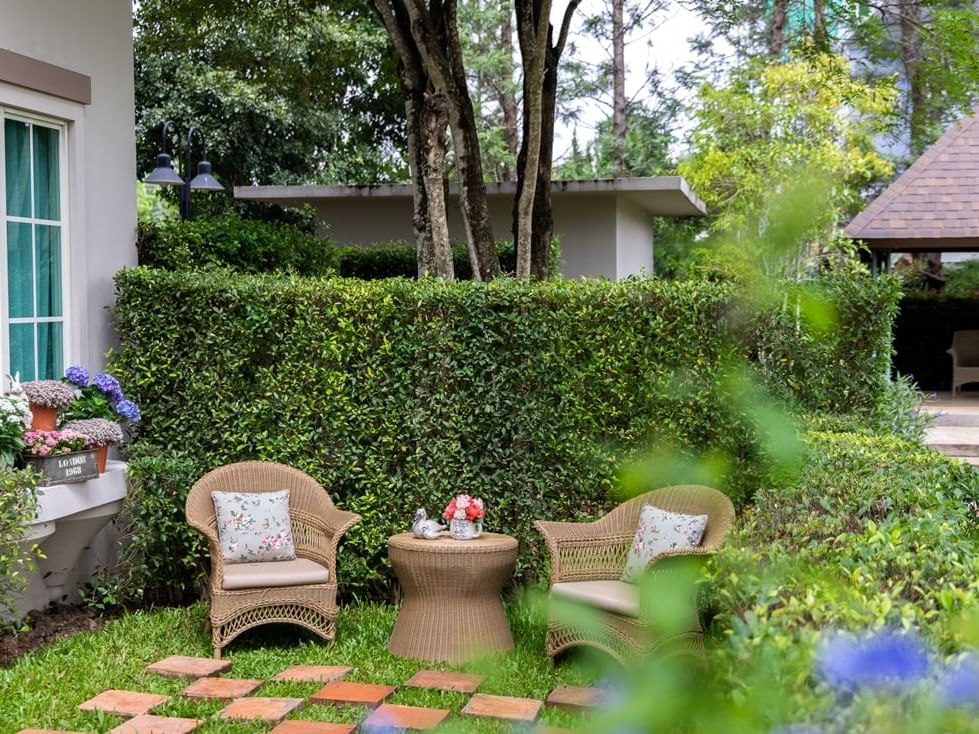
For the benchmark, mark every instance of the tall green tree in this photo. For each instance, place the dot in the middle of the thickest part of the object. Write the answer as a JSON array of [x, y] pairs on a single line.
[[286, 91]]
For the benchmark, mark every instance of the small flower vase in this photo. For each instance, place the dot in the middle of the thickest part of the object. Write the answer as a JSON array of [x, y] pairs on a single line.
[[465, 529], [43, 418]]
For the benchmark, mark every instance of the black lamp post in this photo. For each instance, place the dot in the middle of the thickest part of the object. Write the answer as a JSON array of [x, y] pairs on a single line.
[[164, 175]]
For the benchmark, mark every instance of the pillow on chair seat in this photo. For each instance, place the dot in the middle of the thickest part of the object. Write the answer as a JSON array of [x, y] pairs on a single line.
[[298, 572], [254, 526], [616, 597]]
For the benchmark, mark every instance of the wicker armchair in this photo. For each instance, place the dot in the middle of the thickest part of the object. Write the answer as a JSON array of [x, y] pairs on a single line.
[[965, 359], [244, 595], [587, 560]]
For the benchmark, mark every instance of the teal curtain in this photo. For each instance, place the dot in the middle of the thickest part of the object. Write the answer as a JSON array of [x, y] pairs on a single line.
[[17, 152]]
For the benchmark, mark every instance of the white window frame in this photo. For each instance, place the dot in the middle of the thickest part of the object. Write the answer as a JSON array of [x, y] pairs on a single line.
[[67, 336]]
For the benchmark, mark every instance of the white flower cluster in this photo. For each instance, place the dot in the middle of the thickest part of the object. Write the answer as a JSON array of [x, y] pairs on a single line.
[[49, 393], [15, 409]]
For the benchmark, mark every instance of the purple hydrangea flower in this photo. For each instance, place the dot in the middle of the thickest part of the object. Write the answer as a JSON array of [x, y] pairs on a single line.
[[888, 660], [109, 386], [128, 410], [959, 686], [77, 375]]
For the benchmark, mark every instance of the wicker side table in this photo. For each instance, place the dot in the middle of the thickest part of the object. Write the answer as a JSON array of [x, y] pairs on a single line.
[[451, 609]]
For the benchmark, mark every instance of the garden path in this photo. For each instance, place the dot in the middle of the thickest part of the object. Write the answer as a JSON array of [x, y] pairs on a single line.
[[955, 427]]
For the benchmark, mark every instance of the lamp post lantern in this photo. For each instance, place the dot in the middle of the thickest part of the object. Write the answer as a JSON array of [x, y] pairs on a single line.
[[164, 174]]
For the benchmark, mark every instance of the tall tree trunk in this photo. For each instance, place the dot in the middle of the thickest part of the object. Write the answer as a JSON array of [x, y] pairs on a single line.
[[507, 100], [542, 218], [908, 21], [776, 39], [434, 121], [820, 30], [618, 85], [472, 184], [533, 25]]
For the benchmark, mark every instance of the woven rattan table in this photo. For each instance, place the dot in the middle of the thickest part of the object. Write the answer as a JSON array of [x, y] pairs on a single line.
[[451, 609]]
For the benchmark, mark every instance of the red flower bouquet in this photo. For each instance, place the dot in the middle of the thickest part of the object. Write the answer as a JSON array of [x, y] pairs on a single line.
[[464, 507]]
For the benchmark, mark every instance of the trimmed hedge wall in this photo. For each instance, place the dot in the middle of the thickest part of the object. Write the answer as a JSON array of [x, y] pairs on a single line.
[[397, 394], [923, 332], [399, 260]]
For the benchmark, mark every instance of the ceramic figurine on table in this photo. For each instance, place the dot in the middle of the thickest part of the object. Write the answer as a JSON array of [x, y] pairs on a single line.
[[422, 527]]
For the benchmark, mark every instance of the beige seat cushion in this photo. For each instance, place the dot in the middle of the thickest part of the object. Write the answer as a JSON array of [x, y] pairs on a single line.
[[263, 574], [617, 597]]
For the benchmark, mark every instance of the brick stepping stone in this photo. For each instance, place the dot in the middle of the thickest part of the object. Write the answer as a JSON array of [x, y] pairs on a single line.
[[297, 726], [503, 707], [149, 724], [457, 682], [181, 666], [261, 709], [221, 689], [46, 731], [127, 703], [389, 716], [360, 694], [313, 673], [576, 698]]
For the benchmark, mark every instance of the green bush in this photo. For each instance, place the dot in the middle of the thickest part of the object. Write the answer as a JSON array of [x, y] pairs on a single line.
[[876, 532], [923, 332], [18, 501], [232, 241], [399, 260], [827, 345], [397, 394]]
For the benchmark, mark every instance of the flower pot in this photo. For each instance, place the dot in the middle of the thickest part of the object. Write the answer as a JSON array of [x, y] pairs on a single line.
[[101, 456], [78, 466], [43, 418], [465, 529]]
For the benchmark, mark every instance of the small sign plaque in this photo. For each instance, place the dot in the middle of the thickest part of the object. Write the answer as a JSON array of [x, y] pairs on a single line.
[[66, 468]]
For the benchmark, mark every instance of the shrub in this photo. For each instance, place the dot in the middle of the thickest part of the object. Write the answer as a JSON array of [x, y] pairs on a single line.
[[398, 394], [399, 260], [17, 505], [877, 531], [828, 344], [229, 240]]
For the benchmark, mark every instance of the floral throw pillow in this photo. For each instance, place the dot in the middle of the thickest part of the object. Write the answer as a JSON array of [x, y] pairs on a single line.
[[254, 526], [660, 531]]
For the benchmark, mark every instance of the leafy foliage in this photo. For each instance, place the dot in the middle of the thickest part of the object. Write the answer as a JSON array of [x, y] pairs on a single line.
[[232, 241], [876, 532], [401, 394], [17, 504], [770, 123], [286, 91]]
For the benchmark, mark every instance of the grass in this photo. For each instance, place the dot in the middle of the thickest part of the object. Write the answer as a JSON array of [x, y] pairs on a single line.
[[43, 689]]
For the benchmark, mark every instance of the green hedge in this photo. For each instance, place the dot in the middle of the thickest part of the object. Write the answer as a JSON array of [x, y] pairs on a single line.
[[396, 394], [876, 532], [923, 332], [827, 344], [399, 260], [232, 241], [18, 501]]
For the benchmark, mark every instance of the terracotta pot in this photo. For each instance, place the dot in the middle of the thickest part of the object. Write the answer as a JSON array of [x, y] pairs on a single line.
[[43, 418], [101, 456]]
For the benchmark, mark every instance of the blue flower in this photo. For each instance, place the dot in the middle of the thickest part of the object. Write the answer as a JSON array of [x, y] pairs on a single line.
[[959, 686], [109, 386], [128, 410], [78, 375], [889, 660]]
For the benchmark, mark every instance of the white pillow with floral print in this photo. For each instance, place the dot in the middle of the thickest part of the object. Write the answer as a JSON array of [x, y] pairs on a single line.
[[660, 531], [254, 526]]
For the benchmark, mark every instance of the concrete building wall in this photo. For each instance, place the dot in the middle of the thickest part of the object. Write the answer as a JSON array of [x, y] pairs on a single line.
[[587, 226], [633, 240], [94, 38]]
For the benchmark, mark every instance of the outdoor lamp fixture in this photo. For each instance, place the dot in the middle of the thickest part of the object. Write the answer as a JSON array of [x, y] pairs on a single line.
[[164, 175]]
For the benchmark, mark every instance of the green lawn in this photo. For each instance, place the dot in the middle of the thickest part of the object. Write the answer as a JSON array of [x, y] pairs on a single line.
[[44, 689]]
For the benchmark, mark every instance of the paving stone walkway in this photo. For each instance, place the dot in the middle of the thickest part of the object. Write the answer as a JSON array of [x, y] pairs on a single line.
[[955, 427], [135, 708]]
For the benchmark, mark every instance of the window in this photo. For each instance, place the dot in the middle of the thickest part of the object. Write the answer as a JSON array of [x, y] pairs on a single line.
[[33, 242]]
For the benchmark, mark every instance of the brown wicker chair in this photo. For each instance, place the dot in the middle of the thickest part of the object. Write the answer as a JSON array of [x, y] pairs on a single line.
[[595, 553], [317, 526]]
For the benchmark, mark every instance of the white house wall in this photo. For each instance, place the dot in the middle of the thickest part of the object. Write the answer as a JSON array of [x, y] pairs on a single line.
[[91, 37], [633, 240]]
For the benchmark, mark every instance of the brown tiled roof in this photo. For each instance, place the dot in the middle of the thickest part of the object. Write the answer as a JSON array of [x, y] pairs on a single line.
[[936, 200]]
